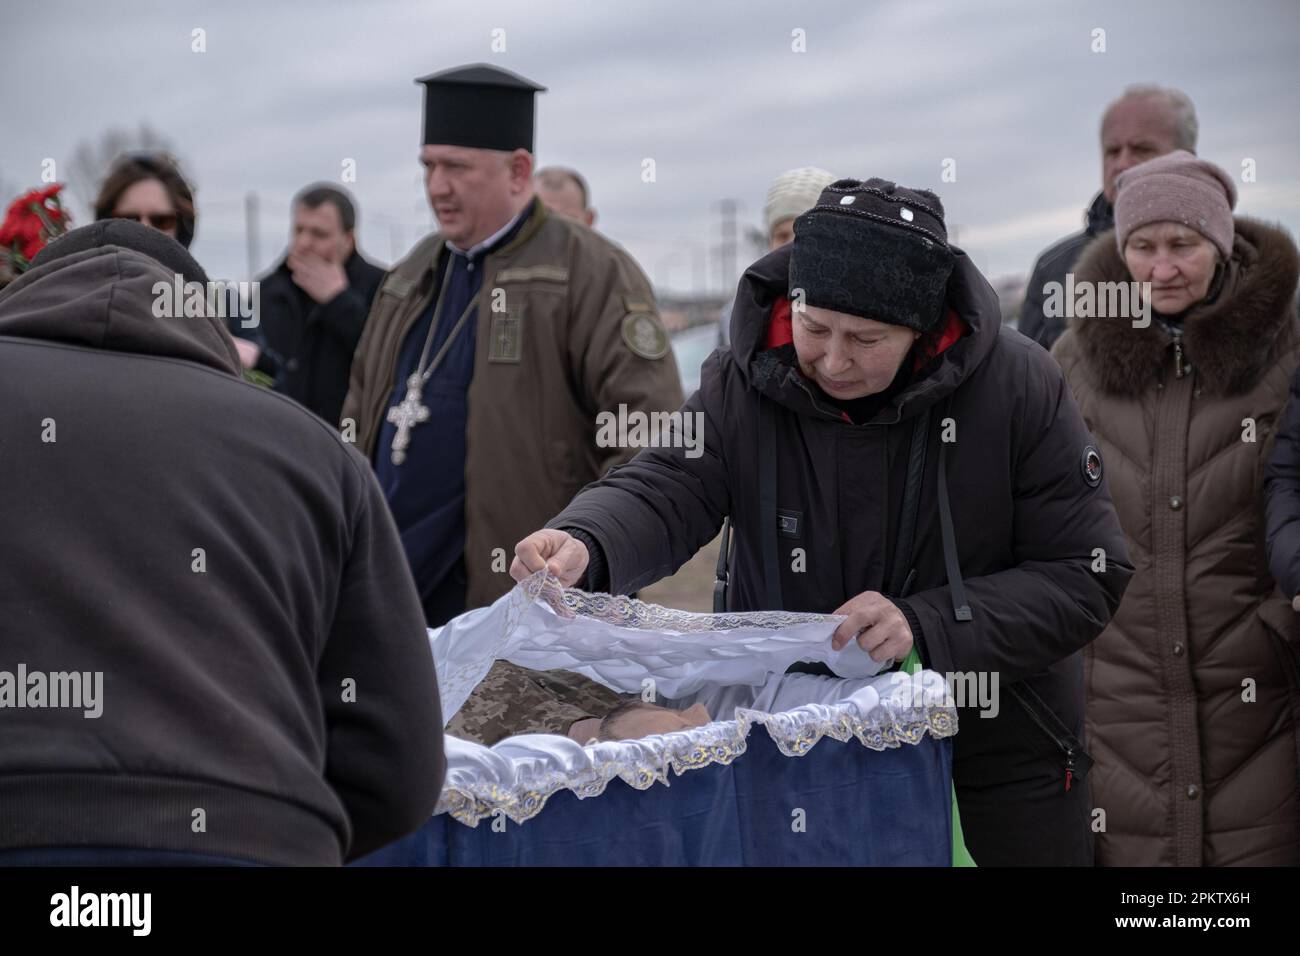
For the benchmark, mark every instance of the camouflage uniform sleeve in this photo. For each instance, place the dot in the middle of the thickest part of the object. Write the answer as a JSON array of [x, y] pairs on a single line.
[[514, 700]]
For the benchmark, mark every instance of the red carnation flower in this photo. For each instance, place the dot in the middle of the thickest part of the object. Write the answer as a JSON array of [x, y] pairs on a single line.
[[31, 221]]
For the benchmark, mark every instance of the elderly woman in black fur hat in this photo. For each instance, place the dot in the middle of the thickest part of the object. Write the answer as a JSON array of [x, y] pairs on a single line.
[[886, 451]]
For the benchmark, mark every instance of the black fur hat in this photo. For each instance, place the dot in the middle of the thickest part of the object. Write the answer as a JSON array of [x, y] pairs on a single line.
[[876, 250]]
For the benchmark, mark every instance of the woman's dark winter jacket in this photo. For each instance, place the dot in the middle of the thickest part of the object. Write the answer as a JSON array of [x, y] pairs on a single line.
[[1037, 560]]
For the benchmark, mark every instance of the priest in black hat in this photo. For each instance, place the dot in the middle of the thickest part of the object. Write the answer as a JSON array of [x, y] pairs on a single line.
[[491, 349]]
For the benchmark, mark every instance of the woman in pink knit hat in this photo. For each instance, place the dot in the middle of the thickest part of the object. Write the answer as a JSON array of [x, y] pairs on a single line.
[[1193, 690]]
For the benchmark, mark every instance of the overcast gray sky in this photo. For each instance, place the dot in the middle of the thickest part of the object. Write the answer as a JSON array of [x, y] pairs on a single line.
[[712, 91]]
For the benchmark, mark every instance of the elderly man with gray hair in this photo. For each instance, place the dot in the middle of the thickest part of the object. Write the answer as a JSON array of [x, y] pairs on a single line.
[[1145, 122]]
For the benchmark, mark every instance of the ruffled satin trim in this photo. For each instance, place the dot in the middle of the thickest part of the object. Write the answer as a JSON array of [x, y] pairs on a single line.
[[516, 778]]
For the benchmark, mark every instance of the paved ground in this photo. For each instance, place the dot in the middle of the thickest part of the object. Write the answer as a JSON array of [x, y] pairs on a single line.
[[691, 588]]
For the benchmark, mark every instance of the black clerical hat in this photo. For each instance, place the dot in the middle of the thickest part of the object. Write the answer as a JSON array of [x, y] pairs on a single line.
[[481, 106]]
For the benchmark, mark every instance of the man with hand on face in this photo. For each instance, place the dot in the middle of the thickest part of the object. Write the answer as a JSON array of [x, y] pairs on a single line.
[[313, 305], [887, 452]]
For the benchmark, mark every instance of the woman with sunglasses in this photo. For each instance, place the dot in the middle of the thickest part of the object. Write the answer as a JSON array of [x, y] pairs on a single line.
[[149, 188]]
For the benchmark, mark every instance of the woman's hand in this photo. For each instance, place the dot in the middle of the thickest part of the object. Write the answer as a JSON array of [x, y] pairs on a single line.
[[878, 625], [558, 551]]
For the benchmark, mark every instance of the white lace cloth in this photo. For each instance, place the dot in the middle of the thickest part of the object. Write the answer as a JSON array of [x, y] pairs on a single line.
[[622, 642], [732, 663]]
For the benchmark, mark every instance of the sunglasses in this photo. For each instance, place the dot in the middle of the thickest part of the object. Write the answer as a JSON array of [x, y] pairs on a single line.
[[161, 220]]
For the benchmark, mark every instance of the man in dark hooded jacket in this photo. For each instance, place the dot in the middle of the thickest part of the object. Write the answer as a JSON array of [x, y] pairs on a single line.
[[886, 451], [313, 305], [209, 575]]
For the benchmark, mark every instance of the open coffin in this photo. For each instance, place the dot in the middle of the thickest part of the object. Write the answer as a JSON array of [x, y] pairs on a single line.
[[871, 783]]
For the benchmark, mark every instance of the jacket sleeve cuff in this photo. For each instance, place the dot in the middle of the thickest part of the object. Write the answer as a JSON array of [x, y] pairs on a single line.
[[268, 362], [914, 622], [597, 576]]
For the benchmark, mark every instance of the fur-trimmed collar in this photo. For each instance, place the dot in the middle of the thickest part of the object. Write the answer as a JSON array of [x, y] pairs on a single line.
[[1228, 342]]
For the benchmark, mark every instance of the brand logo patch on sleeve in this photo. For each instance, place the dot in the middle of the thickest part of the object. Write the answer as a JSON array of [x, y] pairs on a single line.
[[644, 335], [1091, 465]]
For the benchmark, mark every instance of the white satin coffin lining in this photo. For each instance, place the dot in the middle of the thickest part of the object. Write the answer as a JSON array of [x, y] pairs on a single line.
[[517, 776], [730, 662]]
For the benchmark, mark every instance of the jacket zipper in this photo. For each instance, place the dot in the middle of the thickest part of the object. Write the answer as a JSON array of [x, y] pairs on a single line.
[[1179, 368], [798, 380], [1062, 743]]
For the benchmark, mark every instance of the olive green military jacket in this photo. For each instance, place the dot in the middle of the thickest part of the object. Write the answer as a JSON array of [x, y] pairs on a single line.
[[567, 327]]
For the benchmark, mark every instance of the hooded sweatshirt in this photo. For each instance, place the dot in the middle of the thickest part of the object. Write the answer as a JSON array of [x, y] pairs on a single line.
[[227, 567]]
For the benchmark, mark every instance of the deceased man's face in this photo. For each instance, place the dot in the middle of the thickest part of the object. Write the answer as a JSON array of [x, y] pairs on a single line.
[[648, 719]]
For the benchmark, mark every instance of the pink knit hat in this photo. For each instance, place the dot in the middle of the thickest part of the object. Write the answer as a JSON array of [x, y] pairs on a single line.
[[1177, 187]]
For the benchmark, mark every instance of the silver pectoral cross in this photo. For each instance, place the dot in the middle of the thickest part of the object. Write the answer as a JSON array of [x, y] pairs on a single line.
[[408, 413]]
